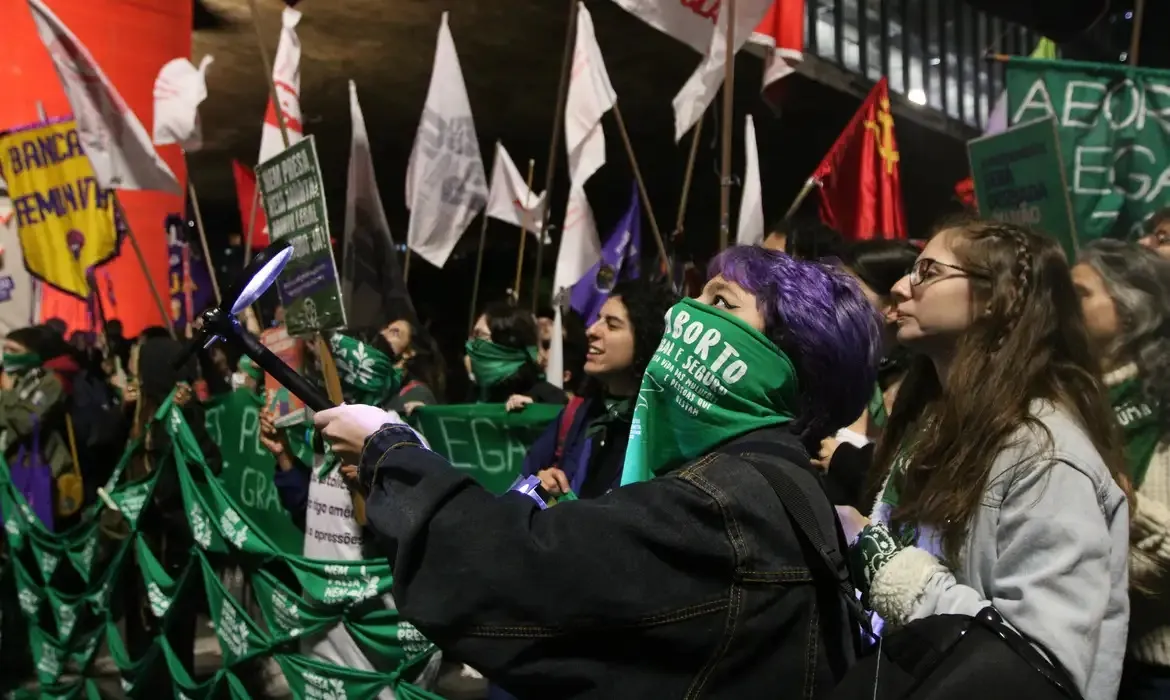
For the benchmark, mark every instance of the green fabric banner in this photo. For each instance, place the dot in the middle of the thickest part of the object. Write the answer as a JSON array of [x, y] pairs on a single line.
[[67, 627], [1019, 178], [484, 439], [233, 422], [1114, 126]]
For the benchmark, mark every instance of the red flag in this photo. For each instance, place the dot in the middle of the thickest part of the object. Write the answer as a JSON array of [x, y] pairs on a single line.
[[246, 194], [965, 192], [861, 190], [781, 35]]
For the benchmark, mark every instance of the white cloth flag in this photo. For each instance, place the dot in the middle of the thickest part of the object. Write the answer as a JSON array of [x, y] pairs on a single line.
[[286, 77], [590, 96], [17, 289], [700, 89], [115, 141], [751, 204], [445, 182], [179, 89], [509, 199]]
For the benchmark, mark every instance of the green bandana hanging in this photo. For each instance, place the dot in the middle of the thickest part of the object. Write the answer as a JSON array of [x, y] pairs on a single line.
[[1140, 425], [712, 379], [17, 362], [368, 376], [250, 369], [877, 408], [492, 363]]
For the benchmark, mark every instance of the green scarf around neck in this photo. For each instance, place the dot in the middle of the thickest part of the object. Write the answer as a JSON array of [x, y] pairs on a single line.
[[368, 375], [1140, 425], [712, 379], [492, 363]]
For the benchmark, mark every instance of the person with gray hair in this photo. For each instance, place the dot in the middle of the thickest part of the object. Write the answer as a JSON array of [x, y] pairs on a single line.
[[1125, 294]]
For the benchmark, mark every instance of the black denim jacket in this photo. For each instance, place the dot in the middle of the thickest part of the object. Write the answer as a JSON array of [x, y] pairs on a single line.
[[692, 585]]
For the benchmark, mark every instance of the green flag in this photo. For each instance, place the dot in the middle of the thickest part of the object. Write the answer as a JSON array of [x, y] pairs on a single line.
[[1114, 127], [484, 439]]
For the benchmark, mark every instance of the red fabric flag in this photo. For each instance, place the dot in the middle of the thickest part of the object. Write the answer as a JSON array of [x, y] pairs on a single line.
[[965, 192], [781, 35], [861, 190], [246, 194]]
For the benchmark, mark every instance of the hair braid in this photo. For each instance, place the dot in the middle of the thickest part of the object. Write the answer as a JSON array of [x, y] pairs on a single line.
[[1023, 273]]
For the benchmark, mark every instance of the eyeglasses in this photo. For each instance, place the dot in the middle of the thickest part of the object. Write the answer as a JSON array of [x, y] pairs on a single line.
[[924, 269]]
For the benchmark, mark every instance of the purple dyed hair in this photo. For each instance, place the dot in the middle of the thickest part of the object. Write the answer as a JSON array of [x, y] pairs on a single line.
[[819, 317]]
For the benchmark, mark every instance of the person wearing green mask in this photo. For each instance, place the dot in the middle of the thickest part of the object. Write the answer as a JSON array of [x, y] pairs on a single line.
[[1125, 294], [503, 358], [689, 579]]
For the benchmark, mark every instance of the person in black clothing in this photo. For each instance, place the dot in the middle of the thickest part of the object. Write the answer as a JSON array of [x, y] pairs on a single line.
[[688, 581], [503, 357], [424, 378], [584, 448], [805, 239], [877, 266]]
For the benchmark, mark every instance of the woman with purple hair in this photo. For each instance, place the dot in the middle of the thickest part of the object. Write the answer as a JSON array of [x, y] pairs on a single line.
[[691, 579]]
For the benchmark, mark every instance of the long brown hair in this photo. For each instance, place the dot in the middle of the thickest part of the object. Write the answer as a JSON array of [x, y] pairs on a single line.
[[1028, 341]]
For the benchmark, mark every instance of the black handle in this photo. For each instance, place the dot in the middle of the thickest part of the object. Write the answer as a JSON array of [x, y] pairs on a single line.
[[270, 363]]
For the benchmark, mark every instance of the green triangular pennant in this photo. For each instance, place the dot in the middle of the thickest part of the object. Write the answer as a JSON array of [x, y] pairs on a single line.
[[309, 678], [287, 614], [341, 583], [238, 636]]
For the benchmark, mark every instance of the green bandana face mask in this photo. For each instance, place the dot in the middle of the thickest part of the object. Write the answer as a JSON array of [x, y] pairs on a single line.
[[1140, 425], [713, 378], [17, 362], [368, 375], [492, 363]]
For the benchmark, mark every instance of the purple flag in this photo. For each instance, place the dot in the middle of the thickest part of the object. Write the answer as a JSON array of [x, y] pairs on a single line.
[[187, 270], [620, 259]]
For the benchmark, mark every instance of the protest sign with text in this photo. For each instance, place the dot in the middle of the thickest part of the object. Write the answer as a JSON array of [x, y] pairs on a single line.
[[1114, 126], [1019, 178], [294, 202], [485, 440]]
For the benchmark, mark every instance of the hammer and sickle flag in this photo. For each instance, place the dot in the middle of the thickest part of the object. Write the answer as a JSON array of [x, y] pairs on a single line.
[[65, 221], [861, 185]]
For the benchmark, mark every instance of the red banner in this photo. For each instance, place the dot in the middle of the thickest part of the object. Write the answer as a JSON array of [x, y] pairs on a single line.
[[161, 31]]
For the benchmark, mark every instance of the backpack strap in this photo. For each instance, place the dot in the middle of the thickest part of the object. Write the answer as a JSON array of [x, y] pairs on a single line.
[[565, 425], [410, 386], [796, 499]]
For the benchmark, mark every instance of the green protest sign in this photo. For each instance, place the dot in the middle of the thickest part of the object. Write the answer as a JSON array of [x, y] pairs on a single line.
[[233, 423], [294, 201], [484, 439], [1114, 128], [1019, 178]]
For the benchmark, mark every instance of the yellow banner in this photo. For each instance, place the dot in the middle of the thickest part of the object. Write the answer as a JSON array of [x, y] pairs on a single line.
[[65, 222]]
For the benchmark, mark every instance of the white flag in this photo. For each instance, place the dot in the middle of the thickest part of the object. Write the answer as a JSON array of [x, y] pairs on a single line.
[[179, 89], [509, 199], [17, 295], [286, 77], [751, 204], [590, 96], [689, 22], [700, 89], [115, 141], [445, 182]]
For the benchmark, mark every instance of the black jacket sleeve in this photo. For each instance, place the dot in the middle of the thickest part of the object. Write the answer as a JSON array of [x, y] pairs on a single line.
[[492, 580], [846, 478]]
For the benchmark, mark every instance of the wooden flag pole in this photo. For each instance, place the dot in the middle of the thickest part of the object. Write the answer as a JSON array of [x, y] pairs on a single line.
[[1135, 39], [728, 116], [250, 235], [809, 184], [524, 232], [478, 271], [479, 260], [202, 234], [158, 300], [676, 237], [621, 124], [406, 266], [553, 142]]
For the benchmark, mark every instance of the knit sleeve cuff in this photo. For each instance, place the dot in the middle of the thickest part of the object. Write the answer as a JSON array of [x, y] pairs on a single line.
[[900, 584]]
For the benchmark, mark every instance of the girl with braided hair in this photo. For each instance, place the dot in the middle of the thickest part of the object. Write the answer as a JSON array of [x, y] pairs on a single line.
[[1000, 471]]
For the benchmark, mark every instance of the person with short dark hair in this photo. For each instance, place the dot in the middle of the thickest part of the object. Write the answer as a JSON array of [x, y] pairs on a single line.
[[805, 239], [1156, 234]]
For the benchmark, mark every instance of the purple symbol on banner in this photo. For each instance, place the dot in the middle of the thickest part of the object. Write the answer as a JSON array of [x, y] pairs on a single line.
[[6, 287], [76, 241]]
